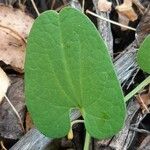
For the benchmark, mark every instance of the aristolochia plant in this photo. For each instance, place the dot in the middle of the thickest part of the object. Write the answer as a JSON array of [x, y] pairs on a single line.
[[143, 56], [68, 66], [143, 59]]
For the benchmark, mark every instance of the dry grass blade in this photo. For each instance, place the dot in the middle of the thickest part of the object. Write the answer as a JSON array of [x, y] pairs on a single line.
[[143, 100], [108, 20], [2, 145], [53, 3], [17, 114], [35, 8], [123, 20], [83, 5]]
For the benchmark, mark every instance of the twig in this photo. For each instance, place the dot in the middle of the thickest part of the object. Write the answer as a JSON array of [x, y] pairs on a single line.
[[53, 3], [110, 21], [2, 145], [139, 6], [35, 8], [139, 130], [17, 114], [83, 4], [117, 2], [127, 52], [143, 104], [137, 89], [132, 80]]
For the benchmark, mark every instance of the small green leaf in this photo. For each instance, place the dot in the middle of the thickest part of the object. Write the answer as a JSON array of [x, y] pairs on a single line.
[[68, 66], [143, 56]]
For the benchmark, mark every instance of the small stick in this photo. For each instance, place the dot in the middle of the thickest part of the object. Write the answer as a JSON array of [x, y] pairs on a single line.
[[17, 114], [137, 89], [143, 104], [132, 80], [139, 5], [2, 145], [117, 2], [132, 51], [139, 130], [53, 3], [35, 8], [83, 4], [110, 21]]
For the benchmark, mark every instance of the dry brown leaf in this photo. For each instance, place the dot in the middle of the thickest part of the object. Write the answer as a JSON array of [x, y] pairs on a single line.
[[126, 9], [144, 101], [123, 20], [104, 5], [15, 26], [139, 5], [4, 84], [29, 122]]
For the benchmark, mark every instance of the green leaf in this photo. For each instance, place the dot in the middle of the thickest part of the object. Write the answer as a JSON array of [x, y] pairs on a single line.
[[143, 56], [68, 66]]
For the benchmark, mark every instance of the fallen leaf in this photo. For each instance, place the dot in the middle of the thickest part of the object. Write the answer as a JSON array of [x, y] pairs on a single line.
[[123, 20], [104, 5], [143, 55], [144, 101], [127, 10], [4, 84], [15, 26], [29, 122]]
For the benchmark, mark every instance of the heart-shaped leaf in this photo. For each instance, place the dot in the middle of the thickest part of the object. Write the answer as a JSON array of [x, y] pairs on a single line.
[[143, 56], [68, 66]]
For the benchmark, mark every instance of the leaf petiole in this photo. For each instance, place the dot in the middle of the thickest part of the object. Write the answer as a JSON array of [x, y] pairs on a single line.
[[87, 136], [87, 141], [137, 89]]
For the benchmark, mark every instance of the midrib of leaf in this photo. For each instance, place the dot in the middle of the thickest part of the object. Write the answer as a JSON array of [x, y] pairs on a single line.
[[64, 92], [66, 68], [58, 83], [80, 75], [66, 95]]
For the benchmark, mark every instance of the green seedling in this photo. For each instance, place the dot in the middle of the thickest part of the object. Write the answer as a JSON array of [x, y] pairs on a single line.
[[143, 56], [68, 66], [143, 59]]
